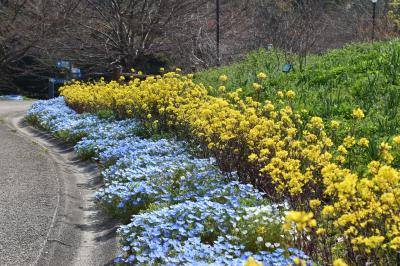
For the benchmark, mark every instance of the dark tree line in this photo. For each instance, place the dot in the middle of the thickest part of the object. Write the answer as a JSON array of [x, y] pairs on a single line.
[[98, 35]]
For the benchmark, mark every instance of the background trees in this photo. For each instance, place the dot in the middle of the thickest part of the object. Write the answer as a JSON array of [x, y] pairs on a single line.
[[27, 27], [97, 35]]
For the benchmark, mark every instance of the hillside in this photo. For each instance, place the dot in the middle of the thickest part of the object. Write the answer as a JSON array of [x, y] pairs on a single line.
[[331, 85]]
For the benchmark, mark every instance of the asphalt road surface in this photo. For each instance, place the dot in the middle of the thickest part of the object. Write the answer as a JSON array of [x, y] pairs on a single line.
[[47, 212]]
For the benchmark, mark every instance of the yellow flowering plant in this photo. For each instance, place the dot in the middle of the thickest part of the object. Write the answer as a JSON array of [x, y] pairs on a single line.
[[261, 142], [287, 154]]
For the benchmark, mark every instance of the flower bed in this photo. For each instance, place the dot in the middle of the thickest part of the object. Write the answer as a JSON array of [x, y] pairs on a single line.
[[180, 210], [345, 202]]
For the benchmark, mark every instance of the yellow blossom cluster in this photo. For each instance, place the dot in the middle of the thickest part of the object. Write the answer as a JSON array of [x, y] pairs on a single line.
[[358, 113], [339, 262], [252, 262], [365, 209], [261, 75], [302, 220], [256, 139], [299, 262], [272, 146]]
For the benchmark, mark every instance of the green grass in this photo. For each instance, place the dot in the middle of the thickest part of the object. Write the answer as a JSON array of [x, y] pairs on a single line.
[[26, 98], [330, 85]]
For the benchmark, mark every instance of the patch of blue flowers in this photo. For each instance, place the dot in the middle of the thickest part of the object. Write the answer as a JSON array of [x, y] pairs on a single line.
[[193, 233], [182, 210]]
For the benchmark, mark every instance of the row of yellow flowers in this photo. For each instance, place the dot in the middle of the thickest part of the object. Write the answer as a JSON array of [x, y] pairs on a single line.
[[337, 212]]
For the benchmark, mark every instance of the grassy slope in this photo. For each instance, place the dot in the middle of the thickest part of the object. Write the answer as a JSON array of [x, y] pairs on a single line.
[[331, 85]]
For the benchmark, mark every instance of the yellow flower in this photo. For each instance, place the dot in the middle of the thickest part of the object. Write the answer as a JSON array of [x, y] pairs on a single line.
[[314, 203], [222, 88], [262, 75], [252, 157], [358, 113], [162, 69], [140, 72], [299, 262], [261, 230], [256, 86], [396, 140], [211, 145], [363, 142], [385, 146], [252, 262], [280, 94], [335, 124], [327, 210], [301, 219], [342, 149], [328, 142], [395, 243], [269, 106], [223, 78], [339, 262], [312, 223], [388, 198], [132, 70], [373, 241], [349, 141], [290, 94], [178, 70], [317, 122], [148, 116], [385, 152], [373, 167]]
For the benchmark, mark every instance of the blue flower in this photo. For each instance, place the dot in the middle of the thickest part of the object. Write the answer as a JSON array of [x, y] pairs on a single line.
[[182, 208]]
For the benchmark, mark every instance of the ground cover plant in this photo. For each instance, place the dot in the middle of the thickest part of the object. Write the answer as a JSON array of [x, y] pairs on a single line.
[[178, 209]]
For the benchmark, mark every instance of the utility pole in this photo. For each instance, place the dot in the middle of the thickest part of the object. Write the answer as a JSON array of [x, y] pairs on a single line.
[[218, 33], [373, 18]]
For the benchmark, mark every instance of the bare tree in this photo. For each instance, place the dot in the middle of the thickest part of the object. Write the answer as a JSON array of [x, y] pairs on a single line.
[[124, 32], [195, 41], [312, 26], [26, 28], [97, 34]]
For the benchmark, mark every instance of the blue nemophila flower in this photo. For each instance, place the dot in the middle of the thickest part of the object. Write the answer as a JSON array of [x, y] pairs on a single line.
[[170, 236], [191, 213]]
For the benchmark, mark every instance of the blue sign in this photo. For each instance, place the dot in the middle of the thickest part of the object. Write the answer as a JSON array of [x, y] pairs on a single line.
[[64, 64], [68, 73], [76, 73], [287, 68], [57, 81]]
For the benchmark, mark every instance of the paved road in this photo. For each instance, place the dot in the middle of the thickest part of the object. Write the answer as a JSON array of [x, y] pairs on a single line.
[[28, 193], [47, 213]]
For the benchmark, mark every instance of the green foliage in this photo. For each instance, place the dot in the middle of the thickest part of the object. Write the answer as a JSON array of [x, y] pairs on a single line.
[[105, 114], [32, 119], [70, 137], [331, 85], [86, 154]]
